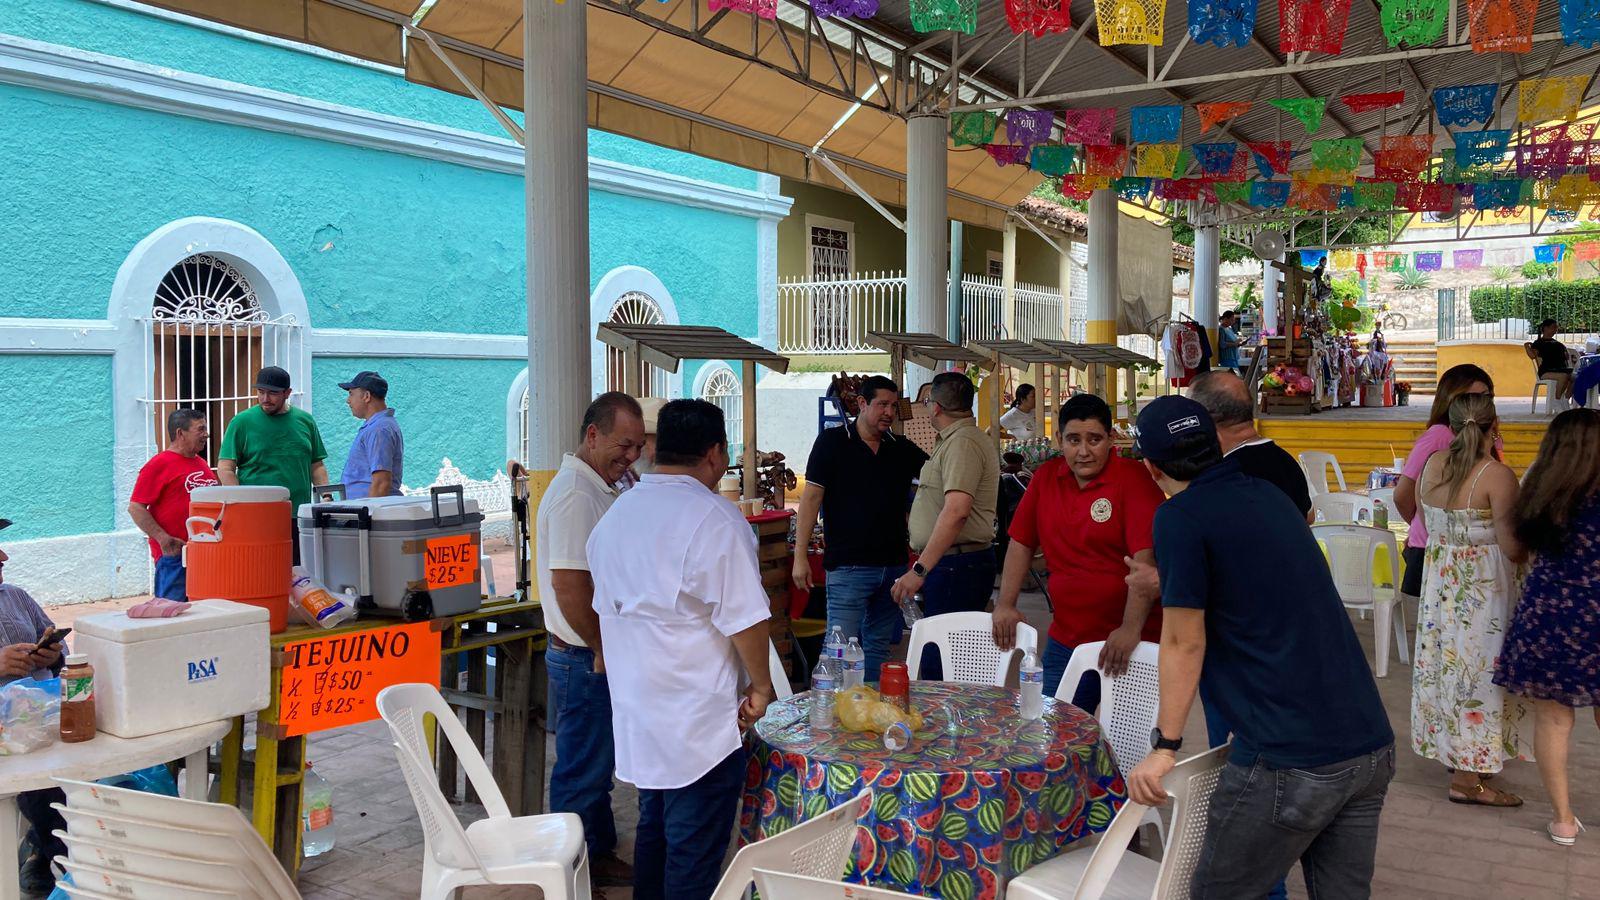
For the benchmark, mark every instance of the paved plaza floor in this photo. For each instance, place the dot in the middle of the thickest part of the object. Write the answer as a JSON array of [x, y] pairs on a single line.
[[1428, 847]]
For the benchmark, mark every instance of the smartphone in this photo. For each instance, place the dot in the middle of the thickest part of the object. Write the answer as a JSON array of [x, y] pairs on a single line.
[[52, 638]]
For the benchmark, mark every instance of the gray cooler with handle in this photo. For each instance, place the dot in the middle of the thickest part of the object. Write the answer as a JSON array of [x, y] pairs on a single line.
[[412, 557]]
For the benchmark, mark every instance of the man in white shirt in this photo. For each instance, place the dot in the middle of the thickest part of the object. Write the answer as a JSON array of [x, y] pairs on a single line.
[[580, 493], [682, 610]]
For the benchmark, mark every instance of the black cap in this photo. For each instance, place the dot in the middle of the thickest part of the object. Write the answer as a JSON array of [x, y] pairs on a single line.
[[371, 382], [1165, 422], [4, 524], [272, 378]]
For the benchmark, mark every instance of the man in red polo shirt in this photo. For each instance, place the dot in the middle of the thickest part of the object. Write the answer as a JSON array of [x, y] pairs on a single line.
[[1088, 509]]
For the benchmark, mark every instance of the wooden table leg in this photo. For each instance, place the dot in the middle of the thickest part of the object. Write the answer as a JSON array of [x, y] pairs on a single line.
[[534, 746], [513, 667], [228, 774], [264, 784]]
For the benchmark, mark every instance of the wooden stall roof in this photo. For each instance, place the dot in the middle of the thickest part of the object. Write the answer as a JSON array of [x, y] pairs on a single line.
[[664, 346], [924, 349], [1082, 355], [1127, 356], [1019, 354]]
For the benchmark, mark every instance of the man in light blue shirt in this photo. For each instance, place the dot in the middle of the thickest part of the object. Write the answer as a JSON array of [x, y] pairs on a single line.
[[1228, 341], [373, 468]]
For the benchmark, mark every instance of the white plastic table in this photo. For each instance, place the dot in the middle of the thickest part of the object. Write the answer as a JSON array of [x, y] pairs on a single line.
[[102, 757]]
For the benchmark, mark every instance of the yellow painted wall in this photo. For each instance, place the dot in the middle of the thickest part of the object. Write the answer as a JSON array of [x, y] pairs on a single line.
[[1505, 361], [1363, 446]]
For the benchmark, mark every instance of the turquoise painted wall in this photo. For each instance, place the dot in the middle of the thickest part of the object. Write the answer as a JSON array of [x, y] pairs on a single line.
[[65, 420], [149, 39], [436, 402]]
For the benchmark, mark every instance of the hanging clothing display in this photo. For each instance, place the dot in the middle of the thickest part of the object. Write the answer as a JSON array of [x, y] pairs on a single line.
[[1187, 351]]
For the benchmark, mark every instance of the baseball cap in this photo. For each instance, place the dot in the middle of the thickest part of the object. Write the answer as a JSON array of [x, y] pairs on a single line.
[[650, 407], [272, 378], [368, 381], [1166, 422], [4, 524]]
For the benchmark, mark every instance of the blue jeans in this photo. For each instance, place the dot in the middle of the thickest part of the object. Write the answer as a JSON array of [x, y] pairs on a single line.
[[580, 781], [1263, 819], [171, 578], [859, 603], [684, 832], [961, 582], [1056, 656]]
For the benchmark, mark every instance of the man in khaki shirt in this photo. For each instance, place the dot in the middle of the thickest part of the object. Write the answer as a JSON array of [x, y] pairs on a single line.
[[952, 518]]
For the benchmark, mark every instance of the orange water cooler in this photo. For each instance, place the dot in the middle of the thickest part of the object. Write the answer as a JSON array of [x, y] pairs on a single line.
[[239, 548]]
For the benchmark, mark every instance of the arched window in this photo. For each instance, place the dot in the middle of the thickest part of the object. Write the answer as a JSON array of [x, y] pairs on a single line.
[[719, 385], [635, 308]]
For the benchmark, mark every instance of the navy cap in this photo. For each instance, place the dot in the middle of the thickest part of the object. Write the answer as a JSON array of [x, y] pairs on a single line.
[[371, 382], [1165, 422], [272, 378], [5, 523]]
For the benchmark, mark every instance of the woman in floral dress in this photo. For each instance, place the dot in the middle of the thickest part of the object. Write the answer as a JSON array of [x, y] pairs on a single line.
[[1470, 584], [1552, 649]]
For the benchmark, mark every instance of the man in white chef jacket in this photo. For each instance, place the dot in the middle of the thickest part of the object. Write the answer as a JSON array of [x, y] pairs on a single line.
[[682, 611]]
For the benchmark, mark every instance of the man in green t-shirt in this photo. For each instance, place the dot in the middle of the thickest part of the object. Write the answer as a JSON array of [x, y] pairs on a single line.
[[274, 443]]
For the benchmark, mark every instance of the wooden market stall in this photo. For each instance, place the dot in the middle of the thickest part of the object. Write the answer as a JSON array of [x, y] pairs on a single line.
[[1024, 356], [927, 350], [665, 346]]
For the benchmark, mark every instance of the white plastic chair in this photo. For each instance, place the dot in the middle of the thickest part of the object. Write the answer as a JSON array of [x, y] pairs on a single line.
[[1316, 464], [966, 646], [1338, 507], [1108, 870], [1550, 386], [784, 886], [1128, 703], [546, 850], [818, 848], [1351, 551], [780, 678], [1387, 496]]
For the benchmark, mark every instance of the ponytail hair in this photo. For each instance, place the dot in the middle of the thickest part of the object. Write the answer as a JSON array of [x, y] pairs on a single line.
[[1472, 417], [1024, 391]]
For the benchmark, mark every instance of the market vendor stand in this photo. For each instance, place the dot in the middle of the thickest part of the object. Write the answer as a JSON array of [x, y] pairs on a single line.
[[328, 678], [1024, 356], [927, 350], [1291, 346]]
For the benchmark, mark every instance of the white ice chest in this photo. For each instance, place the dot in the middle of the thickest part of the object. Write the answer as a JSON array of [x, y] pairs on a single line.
[[155, 675]]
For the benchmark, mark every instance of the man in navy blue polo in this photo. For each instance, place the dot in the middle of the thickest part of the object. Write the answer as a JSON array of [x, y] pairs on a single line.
[[373, 468], [1266, 640]]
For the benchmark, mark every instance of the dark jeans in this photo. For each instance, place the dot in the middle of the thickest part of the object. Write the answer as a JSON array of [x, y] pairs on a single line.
[[961, 582], [43, 821], [684, 832], [1217, 733], [171, 578], [1411, 579], [580, 781], [1262, 819], [1056, 656], [859, 603]]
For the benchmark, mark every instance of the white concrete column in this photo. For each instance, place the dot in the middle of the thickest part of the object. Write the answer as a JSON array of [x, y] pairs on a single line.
[[1064, 277], [927, 177], [952, 305], [1104, 288], [1008, 278], [554, 83], [1270, 278], [1203, 281]]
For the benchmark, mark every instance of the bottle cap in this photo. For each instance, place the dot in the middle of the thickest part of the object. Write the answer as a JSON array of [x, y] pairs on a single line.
[[77, 659]]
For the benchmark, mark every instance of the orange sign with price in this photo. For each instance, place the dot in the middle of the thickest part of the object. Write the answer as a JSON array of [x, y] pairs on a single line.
[[333, 681], [450, 561]]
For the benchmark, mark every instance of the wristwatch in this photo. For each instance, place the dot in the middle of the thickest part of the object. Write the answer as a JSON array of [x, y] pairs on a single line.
[[920, 570], [1161, 742]]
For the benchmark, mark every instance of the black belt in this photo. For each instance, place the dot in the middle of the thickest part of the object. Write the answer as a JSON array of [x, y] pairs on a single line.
[[972, 547], [559, 644]]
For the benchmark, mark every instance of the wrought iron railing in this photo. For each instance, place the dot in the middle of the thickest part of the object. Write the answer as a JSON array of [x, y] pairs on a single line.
[[1507, 312]]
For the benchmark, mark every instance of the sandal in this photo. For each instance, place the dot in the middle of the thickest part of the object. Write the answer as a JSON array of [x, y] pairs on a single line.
[[1481, 794]]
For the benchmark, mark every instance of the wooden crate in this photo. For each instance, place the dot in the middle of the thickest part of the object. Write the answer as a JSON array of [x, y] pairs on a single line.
[[1279, 405], [776, 556]]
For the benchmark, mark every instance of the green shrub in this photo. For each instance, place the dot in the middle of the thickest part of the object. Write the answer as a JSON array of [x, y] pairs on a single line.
[[1533, 270], [1502, 273], [1413, 280], [1575, 304]]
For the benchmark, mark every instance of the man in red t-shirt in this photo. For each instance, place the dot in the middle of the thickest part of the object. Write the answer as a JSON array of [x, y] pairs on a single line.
[[160, 502], [1089, 510]]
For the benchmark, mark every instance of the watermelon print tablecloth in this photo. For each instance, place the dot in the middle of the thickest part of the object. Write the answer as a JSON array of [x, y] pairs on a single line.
[[956, 815]]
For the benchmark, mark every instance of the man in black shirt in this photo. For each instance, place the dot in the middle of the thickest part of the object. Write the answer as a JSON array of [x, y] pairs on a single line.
[[1553, 360], [859, 476], [1227, 398]]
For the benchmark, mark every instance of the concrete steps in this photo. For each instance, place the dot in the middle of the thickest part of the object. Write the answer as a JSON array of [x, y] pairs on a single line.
[[1418, 364]]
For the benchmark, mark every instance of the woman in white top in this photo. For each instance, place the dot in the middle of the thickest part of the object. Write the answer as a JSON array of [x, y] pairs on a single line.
[[1018, 420], [1470, 584]]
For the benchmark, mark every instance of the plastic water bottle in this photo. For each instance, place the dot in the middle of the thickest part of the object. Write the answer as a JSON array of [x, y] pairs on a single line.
[[1030, 678], [822, 698], [1380, 515], [316, 803], [911, 610], [833, 652], [855, 665]]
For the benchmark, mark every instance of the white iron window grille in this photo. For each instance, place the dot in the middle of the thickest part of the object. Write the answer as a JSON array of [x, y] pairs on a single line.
[[830, 306], [635, 308], [522, 427], [723, 389], [205, 339]]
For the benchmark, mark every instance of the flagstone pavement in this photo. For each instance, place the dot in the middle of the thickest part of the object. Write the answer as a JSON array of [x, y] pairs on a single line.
[[1428, 847]]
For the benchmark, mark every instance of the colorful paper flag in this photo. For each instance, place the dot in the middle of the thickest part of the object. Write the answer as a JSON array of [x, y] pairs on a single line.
[[1588, 251], [973, 129], [1028, 126], [1501, 26], [1402, 157], [1344, 259], [1375, 195], [1039, 17], [1105, 160], [1551, 152], [1217, 158], [1220, 113], [1429, 260], [1130, 21], [1307, 109], [1413, 22], [1361, 266], [1269, 194], [761, 9], [1155, 124], [1131, 188], [1271, 157], [1310, 258], [1466, 259], [1547, 253], [1308, 195], [1482, 148], [1465, 105], [1088, 126], [1312, 25], [1232, 191], [1502, 196], [1007, 154], [1334, 162], [1156, 160], [1580, 22], [842, 9], [1365, 103], [1425, 196], [1180, 189], [1542, 99], [944, 15], [1052, 159], [1389, 259], [1222, 23]]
